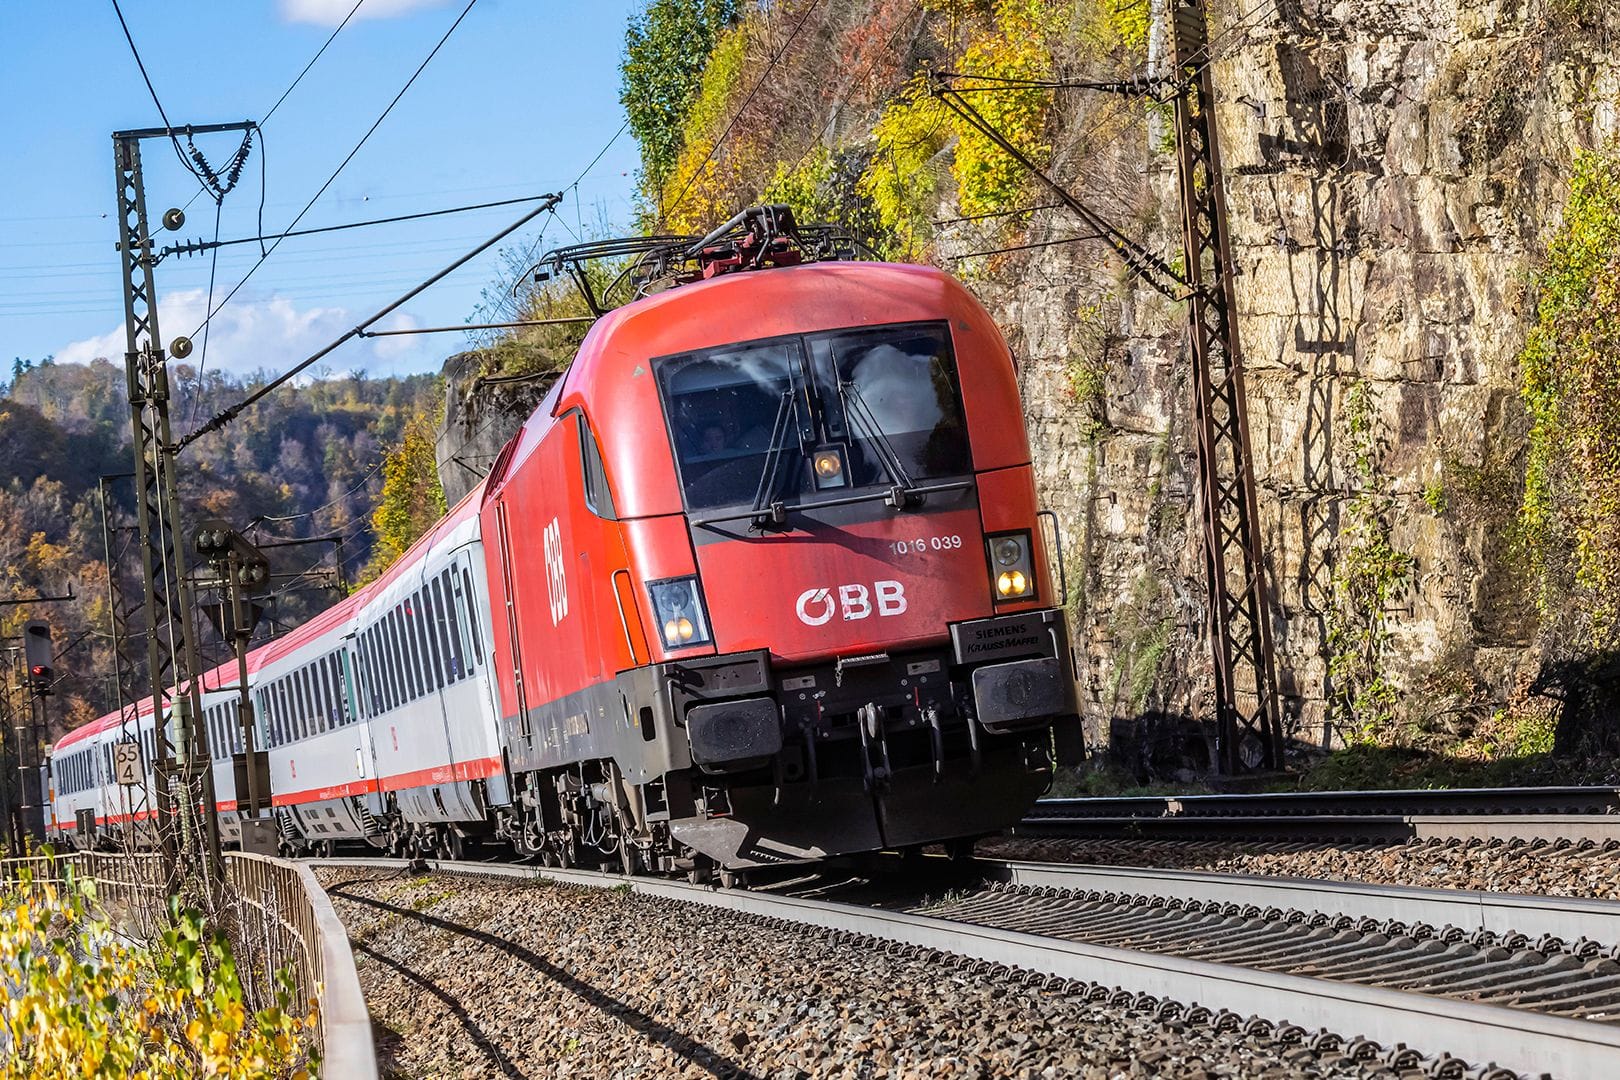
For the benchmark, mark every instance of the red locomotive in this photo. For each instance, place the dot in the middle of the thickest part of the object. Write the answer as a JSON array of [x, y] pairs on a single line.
[[762, 580], [767, 574]]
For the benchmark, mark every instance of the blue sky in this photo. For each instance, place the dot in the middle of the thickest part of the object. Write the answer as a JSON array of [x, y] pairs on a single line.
[[517, 102]]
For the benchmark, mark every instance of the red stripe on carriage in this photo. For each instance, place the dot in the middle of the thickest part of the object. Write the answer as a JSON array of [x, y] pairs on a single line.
[[443, 774], [323, 794]]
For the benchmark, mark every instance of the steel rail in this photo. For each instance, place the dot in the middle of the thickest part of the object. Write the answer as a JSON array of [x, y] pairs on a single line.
[[1369, 828], [1526, 1042], [1520, 800], [1567, 919]]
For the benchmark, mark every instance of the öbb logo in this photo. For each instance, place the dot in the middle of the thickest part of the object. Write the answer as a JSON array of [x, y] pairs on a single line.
[[816, 607]]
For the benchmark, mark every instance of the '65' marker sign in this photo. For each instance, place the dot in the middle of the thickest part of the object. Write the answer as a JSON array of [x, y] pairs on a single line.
[[556, 578], [816, 607]]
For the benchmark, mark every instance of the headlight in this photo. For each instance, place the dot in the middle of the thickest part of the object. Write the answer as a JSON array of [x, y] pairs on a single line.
[[828, 465], [678, 606], [1012, 570]]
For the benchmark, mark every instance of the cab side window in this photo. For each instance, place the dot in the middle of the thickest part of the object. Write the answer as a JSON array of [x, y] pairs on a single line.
[[598, 496]]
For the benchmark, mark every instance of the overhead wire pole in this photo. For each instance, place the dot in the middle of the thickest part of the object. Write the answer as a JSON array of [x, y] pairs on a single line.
[[171, 641], [124, 662], [1248, 722], [1250, 727]]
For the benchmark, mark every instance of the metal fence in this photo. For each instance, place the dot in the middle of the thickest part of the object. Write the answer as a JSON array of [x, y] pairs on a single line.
[[278, 919]]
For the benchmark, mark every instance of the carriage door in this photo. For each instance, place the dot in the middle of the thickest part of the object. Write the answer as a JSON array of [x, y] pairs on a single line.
[[514, 629]]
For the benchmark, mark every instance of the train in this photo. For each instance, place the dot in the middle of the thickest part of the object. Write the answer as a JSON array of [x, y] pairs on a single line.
[[762, 580]]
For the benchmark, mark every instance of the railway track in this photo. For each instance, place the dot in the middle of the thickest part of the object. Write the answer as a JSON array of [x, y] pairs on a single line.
[[1513, 984], [1484, 814]]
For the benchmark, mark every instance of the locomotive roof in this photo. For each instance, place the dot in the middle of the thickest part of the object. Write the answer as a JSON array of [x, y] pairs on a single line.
[[611, 376]]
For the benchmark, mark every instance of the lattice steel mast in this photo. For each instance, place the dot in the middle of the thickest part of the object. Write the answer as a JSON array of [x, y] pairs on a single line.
[[171, 642], [1249, 729]]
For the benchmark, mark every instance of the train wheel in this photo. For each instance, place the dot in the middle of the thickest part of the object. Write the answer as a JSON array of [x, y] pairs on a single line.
[[451, 845], [325, 848], [733, 879], [702, 871]]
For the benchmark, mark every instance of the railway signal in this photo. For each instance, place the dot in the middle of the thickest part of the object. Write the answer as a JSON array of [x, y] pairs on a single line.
[[37, 653]]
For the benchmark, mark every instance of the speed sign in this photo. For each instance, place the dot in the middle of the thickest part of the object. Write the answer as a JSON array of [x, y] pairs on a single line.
[[127, 762]]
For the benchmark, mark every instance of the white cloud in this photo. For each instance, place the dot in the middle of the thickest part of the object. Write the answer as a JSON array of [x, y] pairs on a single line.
[[270, 334], [331, 12]]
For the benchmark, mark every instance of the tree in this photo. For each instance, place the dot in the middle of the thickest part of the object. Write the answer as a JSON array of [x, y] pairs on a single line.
[[412, 498], [666, 49]]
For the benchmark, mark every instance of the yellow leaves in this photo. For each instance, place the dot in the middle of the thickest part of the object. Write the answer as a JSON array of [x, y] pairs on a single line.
[[901, 181], [84, 1001]]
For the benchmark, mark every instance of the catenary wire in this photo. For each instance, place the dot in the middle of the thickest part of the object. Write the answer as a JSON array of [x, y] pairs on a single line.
[[344, 163], [284, 95]]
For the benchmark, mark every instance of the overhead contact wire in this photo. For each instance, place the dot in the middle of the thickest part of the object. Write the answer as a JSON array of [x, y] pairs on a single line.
[[344, 163]]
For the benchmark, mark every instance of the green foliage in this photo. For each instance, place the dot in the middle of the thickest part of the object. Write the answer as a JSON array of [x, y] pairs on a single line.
[[1434, 496], [699, 189], [1570, 515], [1368, 573], [1142, 630], [304, 459], [84, 1000], [807, 187], [988, 180], [412, 498], [1011, 41], [900, 180], [1085, 373], [666, 47]]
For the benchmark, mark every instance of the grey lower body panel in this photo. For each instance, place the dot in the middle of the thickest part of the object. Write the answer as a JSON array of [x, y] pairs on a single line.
[[800, 822]]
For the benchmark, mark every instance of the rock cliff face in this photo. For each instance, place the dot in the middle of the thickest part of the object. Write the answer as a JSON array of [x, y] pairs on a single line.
[[481, 413], [1392, 171]]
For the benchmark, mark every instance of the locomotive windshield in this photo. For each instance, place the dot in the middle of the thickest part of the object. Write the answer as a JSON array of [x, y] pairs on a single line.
[[784, 419]]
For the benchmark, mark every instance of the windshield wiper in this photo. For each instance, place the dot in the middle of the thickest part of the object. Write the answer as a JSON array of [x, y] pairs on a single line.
[[773, 463], [904, 488]]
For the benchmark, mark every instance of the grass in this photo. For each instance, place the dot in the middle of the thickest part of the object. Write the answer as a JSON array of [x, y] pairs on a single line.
[[1369, 768]]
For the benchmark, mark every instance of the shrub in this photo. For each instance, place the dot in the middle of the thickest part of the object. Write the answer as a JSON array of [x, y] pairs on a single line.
[[1570, 516], [86, 1001]]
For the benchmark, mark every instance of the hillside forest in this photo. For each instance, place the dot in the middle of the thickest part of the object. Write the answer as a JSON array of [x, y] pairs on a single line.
[[311, 463]]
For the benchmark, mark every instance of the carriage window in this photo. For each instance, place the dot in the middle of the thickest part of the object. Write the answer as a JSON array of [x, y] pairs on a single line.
[[396, 658], [471, 612], [396, 685], [306, 717], [333, 713], [430, 629], [442, 615], [321, 675], [419, 617], [374, 672], [421, 677]]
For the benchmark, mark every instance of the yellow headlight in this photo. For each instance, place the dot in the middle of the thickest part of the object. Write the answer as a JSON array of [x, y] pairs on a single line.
[[1012, 583], [684, 628], [828, 465], [672, 631]]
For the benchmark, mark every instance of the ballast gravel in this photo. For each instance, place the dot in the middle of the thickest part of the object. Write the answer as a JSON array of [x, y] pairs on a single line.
[[479, 978], [1543, 868]]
